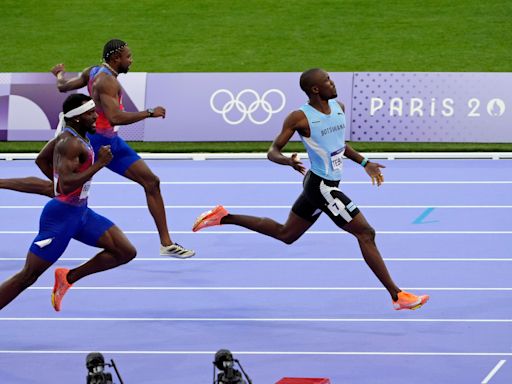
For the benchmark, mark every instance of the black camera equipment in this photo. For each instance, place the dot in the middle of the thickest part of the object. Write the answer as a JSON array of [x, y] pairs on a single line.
[[224, 362], [95, 364]]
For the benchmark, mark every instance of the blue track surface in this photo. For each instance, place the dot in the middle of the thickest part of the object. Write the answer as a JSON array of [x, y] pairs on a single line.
[[311, 309]]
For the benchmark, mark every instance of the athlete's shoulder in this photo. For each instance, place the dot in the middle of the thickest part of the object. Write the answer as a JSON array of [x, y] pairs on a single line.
[[67, 143], [88, 70], [296, 117], [86, 73], [106, 82], [296, 121], [298, 113]]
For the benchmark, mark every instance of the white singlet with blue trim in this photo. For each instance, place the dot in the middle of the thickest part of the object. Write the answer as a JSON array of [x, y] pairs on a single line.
[[326, 143]]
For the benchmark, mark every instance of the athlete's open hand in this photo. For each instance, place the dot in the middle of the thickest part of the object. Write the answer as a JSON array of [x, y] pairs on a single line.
[[105, 155], [159, 112], [374, 171], [58, 69], [297, 164]]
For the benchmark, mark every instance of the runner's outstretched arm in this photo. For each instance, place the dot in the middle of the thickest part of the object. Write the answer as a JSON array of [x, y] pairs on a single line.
[[77, 82]]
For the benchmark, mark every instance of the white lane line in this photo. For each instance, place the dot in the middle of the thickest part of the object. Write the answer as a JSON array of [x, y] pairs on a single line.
[[286, 259], [241, 319], [339, 232], [300, 182], [272, 206], [218, 182], [156, 288], [277, 353], [493, 371]]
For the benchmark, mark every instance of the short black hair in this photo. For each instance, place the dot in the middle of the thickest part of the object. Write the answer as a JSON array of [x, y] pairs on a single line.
[[307, 79], [74, 101], [113, 46]]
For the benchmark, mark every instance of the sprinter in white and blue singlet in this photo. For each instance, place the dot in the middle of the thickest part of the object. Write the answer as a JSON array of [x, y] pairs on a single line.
[[321, 126], [67, 215]]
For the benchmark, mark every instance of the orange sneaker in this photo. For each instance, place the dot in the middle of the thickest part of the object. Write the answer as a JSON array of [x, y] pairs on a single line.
[[209, 218], [60, 287], [407, 300]]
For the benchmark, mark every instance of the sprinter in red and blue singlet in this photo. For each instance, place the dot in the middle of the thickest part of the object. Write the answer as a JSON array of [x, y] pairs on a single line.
[[71, 165], [106, 91], [106, 134], [67, 215]]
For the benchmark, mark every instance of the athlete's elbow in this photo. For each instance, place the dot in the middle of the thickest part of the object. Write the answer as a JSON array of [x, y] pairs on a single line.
[[62, 88], [271, 154], [273, 157], [40, 162]]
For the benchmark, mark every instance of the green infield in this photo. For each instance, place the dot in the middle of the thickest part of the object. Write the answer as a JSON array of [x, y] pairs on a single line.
[[259, 146], [263, 35]]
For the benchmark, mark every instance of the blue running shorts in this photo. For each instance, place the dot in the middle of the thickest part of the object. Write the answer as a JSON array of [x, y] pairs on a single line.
[[124, 155], [61, 222]]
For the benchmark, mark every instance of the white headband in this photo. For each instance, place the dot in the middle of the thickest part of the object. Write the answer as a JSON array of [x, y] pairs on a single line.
[[81, 109], [85, 107]]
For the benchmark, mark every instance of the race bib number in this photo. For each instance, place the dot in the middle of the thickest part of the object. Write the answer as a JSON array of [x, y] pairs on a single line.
[[85, 190], [337, 159]]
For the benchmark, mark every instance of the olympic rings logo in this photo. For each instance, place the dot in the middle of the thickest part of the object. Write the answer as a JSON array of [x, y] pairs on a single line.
[[247, 111]]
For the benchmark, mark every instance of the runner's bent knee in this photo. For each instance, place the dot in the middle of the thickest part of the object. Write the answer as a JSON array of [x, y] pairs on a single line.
[[150, 182], [128, 253], [365, 234], [288, 237]]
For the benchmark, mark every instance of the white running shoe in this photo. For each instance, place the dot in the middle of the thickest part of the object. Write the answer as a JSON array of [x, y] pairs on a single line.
[[176, 250]]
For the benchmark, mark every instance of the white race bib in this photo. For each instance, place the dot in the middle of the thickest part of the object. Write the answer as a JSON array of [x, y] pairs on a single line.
[[337, 159], [85, 190]]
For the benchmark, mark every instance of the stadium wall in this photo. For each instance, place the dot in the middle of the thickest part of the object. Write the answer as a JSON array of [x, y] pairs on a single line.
[[380, 106]]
